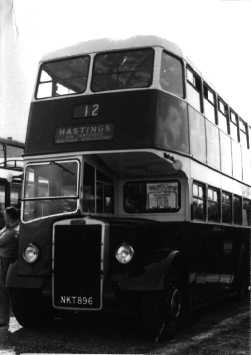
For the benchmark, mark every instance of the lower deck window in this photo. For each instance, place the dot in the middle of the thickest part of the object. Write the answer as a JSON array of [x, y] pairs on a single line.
[[226, 201], [246, 212], [140, 197], [237, 206], [213, 204], [97, 191], [198, 204]]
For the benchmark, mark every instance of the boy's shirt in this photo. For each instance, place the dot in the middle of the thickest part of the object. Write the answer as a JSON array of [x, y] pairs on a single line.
[[8, 242]]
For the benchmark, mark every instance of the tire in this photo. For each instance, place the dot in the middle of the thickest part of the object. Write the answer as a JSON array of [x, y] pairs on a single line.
[[29, 307], [164, 313]]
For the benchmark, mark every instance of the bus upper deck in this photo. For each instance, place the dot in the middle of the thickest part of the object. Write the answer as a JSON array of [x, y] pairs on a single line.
[[139, 94]]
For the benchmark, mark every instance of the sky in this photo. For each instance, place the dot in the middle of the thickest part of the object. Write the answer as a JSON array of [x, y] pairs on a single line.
[[213, 34]]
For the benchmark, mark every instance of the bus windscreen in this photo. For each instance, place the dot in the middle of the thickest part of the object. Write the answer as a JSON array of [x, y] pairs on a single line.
[[49, 189], [63, 77], [123, 70]]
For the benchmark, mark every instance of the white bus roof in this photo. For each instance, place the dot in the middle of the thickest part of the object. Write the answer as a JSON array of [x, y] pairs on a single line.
[[106, 44]]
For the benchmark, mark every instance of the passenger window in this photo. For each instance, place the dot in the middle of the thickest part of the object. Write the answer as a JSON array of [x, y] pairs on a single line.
[[243, 133], [171, 74], [222, 115], [104, 191], [213, 145], [226, 153], [246, 212], [197, 135], [209, 104], [193, 89], [198, 201], [237, 209], [146, 196], [89, 189], [234, 125], [246, 164], [213, 204], [237, 160], [226, 201], [97, 191]]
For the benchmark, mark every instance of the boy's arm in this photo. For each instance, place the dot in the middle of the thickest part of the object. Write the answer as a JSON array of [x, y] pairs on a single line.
[[6, 237]]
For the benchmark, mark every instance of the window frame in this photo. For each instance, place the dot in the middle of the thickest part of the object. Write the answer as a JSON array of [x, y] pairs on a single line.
[[166, 210], [218, 202], [204, 199], [235, 221], [231, 206], [244, 131], [120, 51], [76, 196], [38, 82], [244, 201], [234, 123], [224, 113], [96, 171], [206, 89], [196, 85], [164, 51]]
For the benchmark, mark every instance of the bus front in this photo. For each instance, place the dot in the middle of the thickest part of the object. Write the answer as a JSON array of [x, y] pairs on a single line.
[[105, 186]]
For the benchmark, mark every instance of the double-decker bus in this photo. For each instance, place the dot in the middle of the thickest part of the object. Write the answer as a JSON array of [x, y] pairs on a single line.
[[11, 168], [137, 192]]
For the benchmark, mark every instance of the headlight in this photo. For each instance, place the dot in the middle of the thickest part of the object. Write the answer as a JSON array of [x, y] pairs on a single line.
[[31, 253], [124, 254]]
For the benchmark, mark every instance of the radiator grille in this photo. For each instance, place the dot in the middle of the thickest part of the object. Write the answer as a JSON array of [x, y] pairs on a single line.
[[77, 268]]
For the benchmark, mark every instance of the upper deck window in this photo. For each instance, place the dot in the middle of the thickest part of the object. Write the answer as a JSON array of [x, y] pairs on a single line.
[[209, 103], [63, 77], [223, 119], [243, 133], [123, 70], [171, 78], [193, 88], [234, 125]]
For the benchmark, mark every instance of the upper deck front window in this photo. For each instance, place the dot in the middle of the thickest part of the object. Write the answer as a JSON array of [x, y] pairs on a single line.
[[171, 74], [123, 70], [63, 77]]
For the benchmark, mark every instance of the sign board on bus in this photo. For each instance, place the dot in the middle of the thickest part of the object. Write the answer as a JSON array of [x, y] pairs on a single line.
[[84, 133]]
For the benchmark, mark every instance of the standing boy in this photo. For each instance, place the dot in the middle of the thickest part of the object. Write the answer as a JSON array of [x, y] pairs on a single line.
[[8, 254]]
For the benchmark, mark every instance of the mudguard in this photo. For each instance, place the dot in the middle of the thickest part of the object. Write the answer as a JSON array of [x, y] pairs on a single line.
[[153, 279], [16, 281]]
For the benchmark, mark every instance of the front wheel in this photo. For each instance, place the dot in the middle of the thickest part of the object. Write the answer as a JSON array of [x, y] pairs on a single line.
[[29, 307], [164, 313]]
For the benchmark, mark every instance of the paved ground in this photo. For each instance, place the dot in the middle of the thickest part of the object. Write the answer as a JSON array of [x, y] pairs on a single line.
[[218, 330]]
